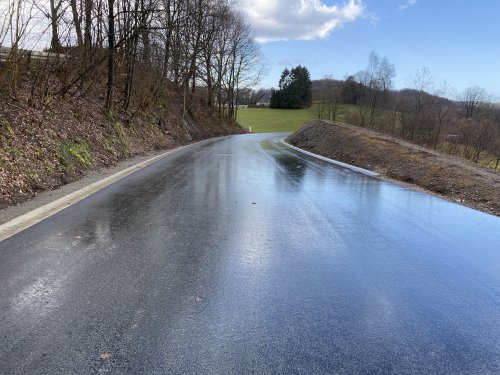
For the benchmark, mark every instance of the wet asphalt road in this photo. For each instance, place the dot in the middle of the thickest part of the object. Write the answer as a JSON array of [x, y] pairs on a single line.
[[241, 256]]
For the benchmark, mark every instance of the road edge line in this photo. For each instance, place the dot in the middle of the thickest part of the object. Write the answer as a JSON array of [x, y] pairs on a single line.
[[336, 162], [24, 221]]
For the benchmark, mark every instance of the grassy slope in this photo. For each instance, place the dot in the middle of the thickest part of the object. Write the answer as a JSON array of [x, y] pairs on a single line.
[[266, 120]]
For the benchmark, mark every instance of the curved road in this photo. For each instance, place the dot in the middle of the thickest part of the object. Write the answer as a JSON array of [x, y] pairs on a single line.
[[240, 255]]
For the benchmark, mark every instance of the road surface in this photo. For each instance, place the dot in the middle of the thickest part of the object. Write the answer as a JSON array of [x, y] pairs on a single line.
[[240, 255]]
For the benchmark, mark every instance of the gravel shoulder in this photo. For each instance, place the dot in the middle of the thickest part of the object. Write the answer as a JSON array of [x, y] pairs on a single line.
[[447, 176]]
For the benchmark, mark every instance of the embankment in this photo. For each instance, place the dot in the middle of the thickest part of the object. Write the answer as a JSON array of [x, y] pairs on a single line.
[[46, 144], [447, 176]]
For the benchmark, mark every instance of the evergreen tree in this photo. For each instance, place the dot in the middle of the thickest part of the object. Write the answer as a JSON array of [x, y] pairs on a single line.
[[295, 89]]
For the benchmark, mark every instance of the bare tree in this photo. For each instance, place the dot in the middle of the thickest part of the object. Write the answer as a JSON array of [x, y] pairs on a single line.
[[15, 26], [472, 99], [416, 123], [377, 80], [111, 54], [246, 63], [184, 45], [328, 99], [88, 23], [55, 16], [442, 109], [476, 137], [494, 148], [77, 21]]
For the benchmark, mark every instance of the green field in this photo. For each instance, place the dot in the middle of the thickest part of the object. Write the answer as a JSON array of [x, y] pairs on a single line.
[[267, 120]]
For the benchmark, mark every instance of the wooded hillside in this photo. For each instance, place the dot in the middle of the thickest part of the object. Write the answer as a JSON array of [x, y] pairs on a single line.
[[117, 78]]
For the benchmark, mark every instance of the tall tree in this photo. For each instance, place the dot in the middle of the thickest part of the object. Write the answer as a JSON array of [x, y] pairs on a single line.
[[295, 89], [77, 22], [55, 15], [377, 80], [188, 44], [416, 124], [88, 24], [351, 91], [111, 54], [473, 98]]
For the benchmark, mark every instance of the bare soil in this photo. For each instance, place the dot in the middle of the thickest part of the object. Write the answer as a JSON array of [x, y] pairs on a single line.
[[450, 177]]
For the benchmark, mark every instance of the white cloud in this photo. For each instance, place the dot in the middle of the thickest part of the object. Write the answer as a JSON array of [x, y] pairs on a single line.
[[298, 19], [374, 18], [408, 4]]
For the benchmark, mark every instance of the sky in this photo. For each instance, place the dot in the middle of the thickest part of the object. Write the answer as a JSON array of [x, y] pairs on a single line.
[[459, 40]]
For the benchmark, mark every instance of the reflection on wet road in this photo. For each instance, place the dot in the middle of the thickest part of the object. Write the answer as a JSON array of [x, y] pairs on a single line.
[[240, 255]]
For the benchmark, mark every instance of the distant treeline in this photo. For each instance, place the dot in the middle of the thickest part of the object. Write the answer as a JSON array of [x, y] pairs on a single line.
[[428, 113]]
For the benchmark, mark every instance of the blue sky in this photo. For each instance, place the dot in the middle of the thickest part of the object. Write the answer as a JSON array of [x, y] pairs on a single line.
[[459, 41]]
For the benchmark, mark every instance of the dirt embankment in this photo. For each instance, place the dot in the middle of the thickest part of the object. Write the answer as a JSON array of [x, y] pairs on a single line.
[[51, 143], [447, 176]]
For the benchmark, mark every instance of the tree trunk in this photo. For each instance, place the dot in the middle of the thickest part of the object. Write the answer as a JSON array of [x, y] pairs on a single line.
[[145, 34], [168, 38], [77, 21], [88, 24], [131, 60], [111, 55], [55, 45]]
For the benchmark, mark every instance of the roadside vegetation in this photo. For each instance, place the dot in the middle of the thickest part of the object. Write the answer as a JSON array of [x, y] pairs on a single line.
[[114, 79]]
